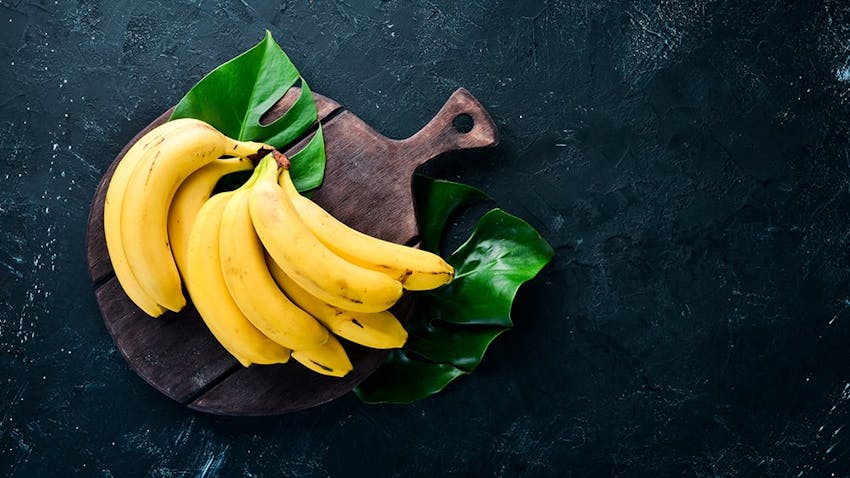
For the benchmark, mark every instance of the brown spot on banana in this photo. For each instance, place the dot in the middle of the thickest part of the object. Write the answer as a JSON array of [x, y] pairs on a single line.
[[150, 169], [322, 366], [405, 275]]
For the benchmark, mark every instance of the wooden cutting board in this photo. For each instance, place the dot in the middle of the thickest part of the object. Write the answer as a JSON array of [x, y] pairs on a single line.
[[367, 185]]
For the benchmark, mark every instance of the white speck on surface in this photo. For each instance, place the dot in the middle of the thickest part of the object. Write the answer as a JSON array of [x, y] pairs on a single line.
[[842, 73], [558, 222]]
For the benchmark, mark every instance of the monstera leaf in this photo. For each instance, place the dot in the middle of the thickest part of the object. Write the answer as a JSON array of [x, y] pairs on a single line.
[[436, 201], [402, 379], [452, 327], [234, 97]]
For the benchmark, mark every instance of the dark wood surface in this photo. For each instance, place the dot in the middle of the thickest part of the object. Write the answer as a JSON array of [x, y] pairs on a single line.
[[367, 185]]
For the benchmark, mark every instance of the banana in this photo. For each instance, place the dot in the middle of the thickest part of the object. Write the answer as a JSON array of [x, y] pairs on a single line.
[[379, 330], [253, 288], [306, 259], [414, 268], [113, 205], [165, 163], [208, 290], [327, 359], [190, 196]]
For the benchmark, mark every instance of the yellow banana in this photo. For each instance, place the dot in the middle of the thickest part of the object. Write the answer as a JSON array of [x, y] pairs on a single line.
[[189, 198], [144, 216], [113, 205], [327, 359], [305, 259], [253, 288], [414, 268], [206, 286], [379, 330]]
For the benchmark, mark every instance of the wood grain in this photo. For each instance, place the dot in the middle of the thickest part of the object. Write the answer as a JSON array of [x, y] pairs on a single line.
[[368, 182], [175, 353], [367, 185]]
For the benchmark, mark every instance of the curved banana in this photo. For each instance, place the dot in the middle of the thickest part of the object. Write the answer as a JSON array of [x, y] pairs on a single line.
[[113, 205], [165, 163], [304, 258], [327, 359], [253, 288], [378, 330], [189, 198], [414, 268], [206, 286]]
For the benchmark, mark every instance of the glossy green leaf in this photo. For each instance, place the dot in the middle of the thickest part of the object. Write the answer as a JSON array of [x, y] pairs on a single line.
[[292, 124], [453, 325], [401, 379], [461, 346], [234, 96], [308, 164], [251, 83], [503, 252], [436, 201]]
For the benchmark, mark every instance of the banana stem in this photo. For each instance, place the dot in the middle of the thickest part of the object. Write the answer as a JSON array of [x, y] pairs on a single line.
[[281, 159]]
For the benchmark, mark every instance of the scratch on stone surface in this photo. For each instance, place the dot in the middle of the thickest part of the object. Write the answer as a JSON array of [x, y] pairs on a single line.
[[657, 37], [524, 441], [7, 405], [835, 45], [86, 163], [184, 432], [215, 459], [142, 441], [842, 73]]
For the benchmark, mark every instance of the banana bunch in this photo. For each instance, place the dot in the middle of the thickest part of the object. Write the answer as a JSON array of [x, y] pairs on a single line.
[[138, 201], [270, 272]]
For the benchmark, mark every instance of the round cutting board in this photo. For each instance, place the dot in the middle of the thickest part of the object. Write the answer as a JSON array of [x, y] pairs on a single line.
[[367, 185]]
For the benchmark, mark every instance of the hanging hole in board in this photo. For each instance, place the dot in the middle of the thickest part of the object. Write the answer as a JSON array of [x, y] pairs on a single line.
[[463, 123]]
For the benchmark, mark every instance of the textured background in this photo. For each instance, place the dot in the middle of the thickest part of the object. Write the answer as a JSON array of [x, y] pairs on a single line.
[[688, 159]]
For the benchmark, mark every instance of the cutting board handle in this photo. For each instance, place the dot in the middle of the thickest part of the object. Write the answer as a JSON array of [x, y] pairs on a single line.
[[462, 123]]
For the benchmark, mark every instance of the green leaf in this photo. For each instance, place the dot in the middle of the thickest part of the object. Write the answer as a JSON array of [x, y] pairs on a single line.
[[234, 96], [461, 346], [453, 325], [436, 201], [250, 84], [503, 252], [308, 165], [401, 379]]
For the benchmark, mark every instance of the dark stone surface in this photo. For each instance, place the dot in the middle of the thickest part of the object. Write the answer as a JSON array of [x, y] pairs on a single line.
[[688, 159]]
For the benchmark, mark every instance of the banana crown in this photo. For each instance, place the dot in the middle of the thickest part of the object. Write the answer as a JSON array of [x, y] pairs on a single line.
[[267, 169], [255, 176]]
